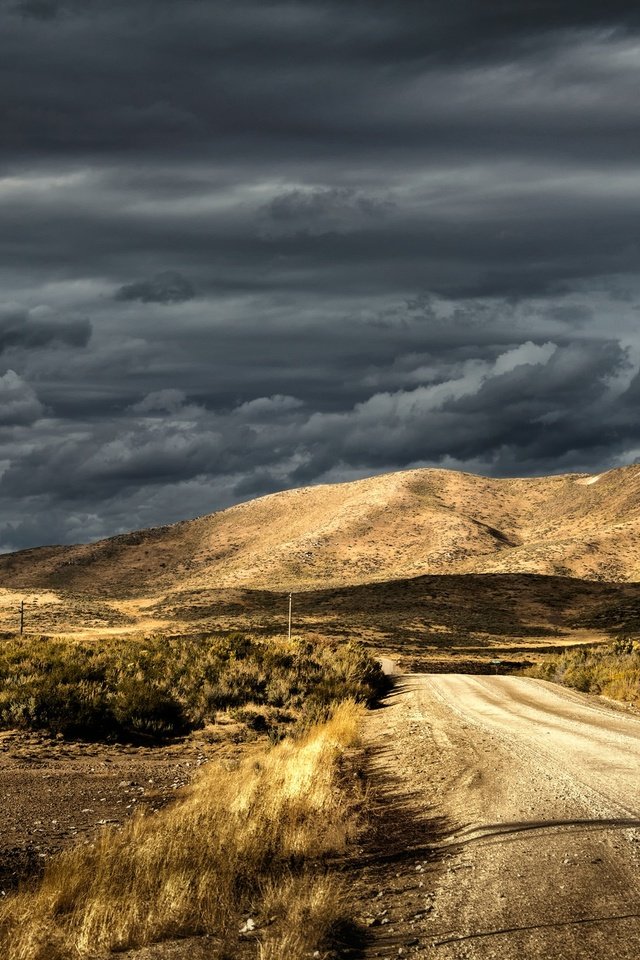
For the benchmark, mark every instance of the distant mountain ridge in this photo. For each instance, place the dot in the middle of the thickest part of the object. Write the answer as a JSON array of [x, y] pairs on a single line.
[[389, 527]]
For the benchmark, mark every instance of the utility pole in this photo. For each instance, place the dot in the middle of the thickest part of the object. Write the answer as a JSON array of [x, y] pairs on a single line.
[[22, 617], [290, 602]]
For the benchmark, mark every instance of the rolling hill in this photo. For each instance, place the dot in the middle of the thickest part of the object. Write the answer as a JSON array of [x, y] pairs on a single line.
[[392, 527]]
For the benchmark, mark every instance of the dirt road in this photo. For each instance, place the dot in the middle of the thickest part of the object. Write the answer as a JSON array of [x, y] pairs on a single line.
[[508, 823]]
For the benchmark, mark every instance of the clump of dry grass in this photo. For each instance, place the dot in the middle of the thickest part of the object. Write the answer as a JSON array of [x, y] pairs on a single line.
[[612, 670], [251, 840], [312, 905]]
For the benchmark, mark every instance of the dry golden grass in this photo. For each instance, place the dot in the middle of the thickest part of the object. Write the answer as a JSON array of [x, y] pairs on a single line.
[[612, 670], [252, 839], [311, 902]]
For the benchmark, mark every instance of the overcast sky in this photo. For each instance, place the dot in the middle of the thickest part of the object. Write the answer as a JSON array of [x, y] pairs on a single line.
[[247, 245]]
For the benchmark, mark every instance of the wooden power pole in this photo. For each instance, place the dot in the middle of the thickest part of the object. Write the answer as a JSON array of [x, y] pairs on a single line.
[[21, 617]]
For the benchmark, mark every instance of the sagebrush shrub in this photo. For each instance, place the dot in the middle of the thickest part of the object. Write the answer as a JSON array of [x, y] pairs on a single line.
[[162, 686]]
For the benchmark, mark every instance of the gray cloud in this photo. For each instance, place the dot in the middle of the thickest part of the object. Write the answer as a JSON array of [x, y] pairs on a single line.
[[37, 329], [38, 9], [19, 405], [325, 210], [166, 287]]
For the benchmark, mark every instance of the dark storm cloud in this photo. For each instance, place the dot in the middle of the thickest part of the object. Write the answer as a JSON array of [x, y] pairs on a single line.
[[167, 287], [19, 405], [311, 79], [505, 241], [520, 407], [37, 9], [315, 240], [19, 329], [471, 406], [325, 210]]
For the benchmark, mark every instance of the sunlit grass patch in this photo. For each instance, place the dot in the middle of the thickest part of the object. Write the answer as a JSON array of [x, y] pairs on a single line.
[[249, 841], [612, 670]]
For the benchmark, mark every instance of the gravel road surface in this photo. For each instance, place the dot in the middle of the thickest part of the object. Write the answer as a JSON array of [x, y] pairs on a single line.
[[510, 811]]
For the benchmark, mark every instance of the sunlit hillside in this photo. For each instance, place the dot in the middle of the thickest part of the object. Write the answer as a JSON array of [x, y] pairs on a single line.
[[398, 525]]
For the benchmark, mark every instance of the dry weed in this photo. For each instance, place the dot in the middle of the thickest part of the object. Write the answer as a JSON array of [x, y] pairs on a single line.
[[246, 840], [612, 670]]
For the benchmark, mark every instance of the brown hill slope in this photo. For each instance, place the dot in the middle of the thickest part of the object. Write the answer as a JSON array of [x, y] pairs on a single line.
[[399, 525]]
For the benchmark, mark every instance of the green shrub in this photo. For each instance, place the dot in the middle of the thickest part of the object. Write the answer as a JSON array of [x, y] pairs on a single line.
[[139, 707], [162, 686]]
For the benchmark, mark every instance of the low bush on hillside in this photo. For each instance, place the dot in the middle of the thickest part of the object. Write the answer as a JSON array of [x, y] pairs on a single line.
[[612, 670], [161, 686], [247, 844]]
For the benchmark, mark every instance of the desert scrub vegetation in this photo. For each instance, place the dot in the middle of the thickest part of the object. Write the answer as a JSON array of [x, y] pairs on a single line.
[[244, 851], [159, 686], [611, 669]]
